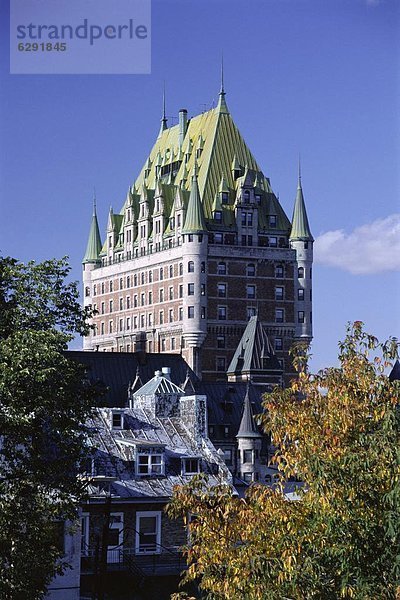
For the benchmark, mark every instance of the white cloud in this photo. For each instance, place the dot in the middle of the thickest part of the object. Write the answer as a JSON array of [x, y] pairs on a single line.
[[371, 248]]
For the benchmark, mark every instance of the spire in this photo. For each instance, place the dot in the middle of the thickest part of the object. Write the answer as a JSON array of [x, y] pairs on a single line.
[[300, 227], [164, 118], [94, 244], [248, 427], [194, 222], [222, 107]]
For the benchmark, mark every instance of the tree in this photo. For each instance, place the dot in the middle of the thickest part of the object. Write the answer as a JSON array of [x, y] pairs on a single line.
[[338, 431], [44, 401]]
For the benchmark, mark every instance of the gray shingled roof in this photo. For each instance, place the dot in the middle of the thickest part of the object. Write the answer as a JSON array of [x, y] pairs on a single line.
[[248, 427]]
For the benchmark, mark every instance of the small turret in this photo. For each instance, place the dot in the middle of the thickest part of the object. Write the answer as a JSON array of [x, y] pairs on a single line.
[[90, 261], [94, 245], [249, 444], [301, 240]]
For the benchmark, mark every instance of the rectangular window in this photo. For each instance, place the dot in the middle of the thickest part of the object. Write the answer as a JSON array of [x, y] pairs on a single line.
[[115, 537], [135, 300], [220, 363], [161, 317], [251, 292], [248, 477], [191, 312], [103, 309], [181, 313], [128, 323], [161, 294], [150, 464], [221, 269], [279, 315], [190, 289], [249, 219], [203, 312], [218, 216], [173, 343], [278, 271], [150, 319], [222, 313], [248, 456], [278, 344], [128, 302], [171, 315], [181, 291], [142, 323], [221, 290], [121, 324], [279, 293], [221, 341], [161, 274], [300, 294], [142, 302], [148, 532], [218, 238], [135, 322], [190, 466], [273, 242], [272, 220], [150, 297], [300, 316], [111, 306], [171, 293]]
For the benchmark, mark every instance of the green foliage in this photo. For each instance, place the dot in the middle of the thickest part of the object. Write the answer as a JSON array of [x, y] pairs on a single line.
[[339, 432], [44, 399]]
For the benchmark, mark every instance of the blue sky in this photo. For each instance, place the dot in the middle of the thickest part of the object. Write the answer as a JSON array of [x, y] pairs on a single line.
[[316, 77]]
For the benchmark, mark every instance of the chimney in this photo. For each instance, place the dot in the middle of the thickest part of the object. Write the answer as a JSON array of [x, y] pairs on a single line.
[[182, 125], [166, 371], [140, 347]]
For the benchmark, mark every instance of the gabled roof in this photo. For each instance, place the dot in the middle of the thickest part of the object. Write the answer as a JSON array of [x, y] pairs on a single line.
[[254, 352], [248, 427], [300, 227], [94, 244]]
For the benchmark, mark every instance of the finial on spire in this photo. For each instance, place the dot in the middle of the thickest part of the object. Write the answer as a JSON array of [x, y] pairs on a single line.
[[94, 201], [222, 74], [299, 170], [164, 119]]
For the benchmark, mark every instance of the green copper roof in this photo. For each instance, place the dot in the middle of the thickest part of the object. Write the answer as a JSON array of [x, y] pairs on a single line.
[[248, 427], [300, 227], [254, 352], [194, 222], [94, 244]]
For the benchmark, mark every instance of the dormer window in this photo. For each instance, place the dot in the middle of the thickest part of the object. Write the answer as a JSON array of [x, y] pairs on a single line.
[[246, 196], [218, 216], [224, 197], [190, 466], [117, 419], [258, 198], [272, 220], [150, 464]]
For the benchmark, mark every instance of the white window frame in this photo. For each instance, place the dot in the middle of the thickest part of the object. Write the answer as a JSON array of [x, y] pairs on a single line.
[[148, 513], [185, 460], [149, 470]]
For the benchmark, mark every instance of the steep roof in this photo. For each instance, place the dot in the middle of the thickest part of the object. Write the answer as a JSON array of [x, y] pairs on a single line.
[[159, 384], [194, 221], [254, 352], [94, 244], [213, 140], [394, 374], [300, 226], [248, 427]]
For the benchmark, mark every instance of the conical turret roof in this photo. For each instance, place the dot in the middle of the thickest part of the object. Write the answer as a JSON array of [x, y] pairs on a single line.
[[300, 227], [248, 427], [195, 221], [94, 244]]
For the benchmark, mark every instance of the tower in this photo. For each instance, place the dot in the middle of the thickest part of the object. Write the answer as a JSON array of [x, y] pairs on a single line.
[[249, 444], [302, 241], [89, 262]]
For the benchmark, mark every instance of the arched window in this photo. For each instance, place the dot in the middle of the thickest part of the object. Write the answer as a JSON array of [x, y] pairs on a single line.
[[190, 266], [171, 271], [300, 273], [180, 268]]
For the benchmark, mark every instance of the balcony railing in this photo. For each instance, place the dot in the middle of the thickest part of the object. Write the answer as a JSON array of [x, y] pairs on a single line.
[[164, 561]]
